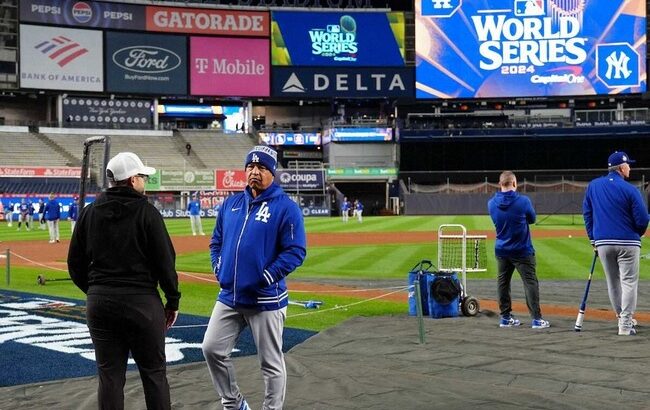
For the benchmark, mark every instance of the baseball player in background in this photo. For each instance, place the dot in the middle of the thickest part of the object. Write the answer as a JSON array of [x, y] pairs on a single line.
[[9, 214], [194, 209], [345, 209], [52, 211], [41, 219], [615, 219], [358, 210], [23, 214], [258, 240], [30, 214], [73, 213]]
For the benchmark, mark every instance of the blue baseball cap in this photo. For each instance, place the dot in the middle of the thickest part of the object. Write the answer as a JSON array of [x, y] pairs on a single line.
[[618, 158]]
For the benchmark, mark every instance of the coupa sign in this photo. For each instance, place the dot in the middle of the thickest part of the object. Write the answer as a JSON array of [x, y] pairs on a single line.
[[342, 82], [300, 180]]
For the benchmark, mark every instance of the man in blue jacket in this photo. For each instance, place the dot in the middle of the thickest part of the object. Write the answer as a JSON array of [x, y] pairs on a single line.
[[511, 214], [194, 209], [52, 215], [258, 240], [616, 218]]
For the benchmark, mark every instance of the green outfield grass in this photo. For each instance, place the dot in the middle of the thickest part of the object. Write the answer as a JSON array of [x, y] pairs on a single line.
[[560, 258]]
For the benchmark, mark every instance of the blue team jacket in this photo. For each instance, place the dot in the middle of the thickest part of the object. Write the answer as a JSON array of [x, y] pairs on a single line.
[[52, 210], [256, 243], [194, 208], [511, 214], [614, 212]]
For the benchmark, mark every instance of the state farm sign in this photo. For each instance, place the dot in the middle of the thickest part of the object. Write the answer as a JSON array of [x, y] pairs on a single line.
[[230, 180], [40, 172]]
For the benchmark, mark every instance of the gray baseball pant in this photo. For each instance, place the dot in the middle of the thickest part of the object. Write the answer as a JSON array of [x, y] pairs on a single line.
[[621, 266], [224, 328]]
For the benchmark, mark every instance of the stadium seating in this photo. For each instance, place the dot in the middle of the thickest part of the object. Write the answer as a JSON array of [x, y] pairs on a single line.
[[219, 150]]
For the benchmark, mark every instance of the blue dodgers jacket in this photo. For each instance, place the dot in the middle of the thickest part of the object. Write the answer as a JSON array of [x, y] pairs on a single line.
[[614, 212], [52, 210], [256, 243], [511, 214]]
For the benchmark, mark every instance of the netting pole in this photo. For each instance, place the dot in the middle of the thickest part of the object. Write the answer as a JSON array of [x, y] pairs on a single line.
[[8, 265], [418, 308]]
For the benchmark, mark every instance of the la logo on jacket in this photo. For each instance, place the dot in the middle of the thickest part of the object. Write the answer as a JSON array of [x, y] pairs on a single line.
[[263, 214]]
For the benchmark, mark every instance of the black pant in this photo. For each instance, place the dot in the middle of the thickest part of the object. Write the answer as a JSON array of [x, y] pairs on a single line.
[[122, 323], [526, 268]]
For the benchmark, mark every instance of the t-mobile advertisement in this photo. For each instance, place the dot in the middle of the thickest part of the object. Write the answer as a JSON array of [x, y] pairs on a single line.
[[233, 67], [529, 48]]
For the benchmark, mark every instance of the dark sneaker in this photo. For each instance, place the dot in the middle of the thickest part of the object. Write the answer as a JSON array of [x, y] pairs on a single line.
[[509, 321]]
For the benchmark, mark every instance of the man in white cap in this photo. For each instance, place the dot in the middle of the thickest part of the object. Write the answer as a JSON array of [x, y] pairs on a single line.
[[119, 254], [616, 218], [258, 240]]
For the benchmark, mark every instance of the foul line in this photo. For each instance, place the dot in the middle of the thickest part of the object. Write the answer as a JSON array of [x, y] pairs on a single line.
[[37, 263]]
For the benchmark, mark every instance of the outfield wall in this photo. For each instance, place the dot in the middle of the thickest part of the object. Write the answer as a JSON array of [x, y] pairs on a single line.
[[476, 204]]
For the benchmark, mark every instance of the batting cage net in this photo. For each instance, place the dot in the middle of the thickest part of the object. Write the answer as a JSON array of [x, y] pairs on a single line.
[[93, 165]]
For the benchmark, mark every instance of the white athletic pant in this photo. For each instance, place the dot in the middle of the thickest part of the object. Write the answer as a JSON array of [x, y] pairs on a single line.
[[621, 266], [195, 221], [53, 227], [224, 328]]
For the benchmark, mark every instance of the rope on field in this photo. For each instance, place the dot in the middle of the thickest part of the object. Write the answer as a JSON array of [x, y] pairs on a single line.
[[37, 263]]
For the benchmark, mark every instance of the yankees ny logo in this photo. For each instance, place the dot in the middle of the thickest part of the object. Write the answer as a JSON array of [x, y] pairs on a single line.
[[263, 214], [619, 65]]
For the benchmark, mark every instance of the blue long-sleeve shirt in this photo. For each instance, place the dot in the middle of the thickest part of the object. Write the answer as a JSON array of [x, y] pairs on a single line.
[[511, 214], [194, 208], [614, 212]]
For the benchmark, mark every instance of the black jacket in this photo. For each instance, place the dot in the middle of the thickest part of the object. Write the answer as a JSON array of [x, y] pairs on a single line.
[[120, 245]]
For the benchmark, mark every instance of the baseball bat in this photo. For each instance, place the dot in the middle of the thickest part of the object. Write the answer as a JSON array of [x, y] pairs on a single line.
[[583, 305]]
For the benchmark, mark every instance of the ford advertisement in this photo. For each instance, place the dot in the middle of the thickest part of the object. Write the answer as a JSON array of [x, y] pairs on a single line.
[[529, 48], [302, 38], [146, 63]]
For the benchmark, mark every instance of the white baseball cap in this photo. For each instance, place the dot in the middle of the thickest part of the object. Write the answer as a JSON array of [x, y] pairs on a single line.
[[125, 165]]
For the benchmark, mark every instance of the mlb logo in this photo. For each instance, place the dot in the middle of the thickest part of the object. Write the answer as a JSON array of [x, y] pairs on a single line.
[[528, 8], [333, 28]]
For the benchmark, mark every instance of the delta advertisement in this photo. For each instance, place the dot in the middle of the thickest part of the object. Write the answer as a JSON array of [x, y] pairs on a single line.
[[337, 39], [529, 48], [236, 67], [83, 14], [146, 63], [343, 82], [56, 58]]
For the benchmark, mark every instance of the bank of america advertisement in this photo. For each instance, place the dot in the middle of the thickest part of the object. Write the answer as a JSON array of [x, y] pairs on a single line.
[[301, 38], [56, 58], [529, 48], [146, 63]]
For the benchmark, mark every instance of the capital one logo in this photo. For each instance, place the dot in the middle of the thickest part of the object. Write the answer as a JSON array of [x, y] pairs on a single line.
[[618, 65]]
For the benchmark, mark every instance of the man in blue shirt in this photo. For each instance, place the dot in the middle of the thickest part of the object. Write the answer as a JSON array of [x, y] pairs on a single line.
[[258, 240], [52, 216], [73, 213], [616, 218], [511, 214], [194, 208]]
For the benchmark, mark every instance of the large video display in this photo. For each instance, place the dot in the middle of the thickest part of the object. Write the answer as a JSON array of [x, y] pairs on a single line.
[[337, 39], [529, 48]]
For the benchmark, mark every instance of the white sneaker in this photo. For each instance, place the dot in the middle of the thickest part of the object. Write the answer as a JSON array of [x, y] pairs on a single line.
[[540, 324]]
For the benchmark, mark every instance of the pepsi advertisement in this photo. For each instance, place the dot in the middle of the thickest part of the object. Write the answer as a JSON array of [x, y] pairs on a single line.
[[301, 38], [529, 48], [83, 14], [146, 63]]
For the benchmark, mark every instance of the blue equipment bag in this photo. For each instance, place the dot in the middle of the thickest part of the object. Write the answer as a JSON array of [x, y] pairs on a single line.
[[420, 271], [444, 294]]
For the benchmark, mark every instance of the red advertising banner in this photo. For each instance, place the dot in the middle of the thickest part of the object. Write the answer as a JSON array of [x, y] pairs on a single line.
[[230, 180], [206, 21], [40, 172]]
